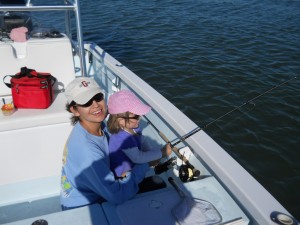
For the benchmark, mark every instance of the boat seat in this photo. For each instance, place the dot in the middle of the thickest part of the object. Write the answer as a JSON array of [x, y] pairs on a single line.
[[53, 55], [39, 127], [29, 191], [27, 118]]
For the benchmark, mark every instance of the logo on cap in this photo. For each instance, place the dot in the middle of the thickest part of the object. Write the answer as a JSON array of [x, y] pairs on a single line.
[[85, 84]]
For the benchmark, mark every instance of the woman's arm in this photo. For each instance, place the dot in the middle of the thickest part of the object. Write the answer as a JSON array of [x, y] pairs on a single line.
[[98, 177]]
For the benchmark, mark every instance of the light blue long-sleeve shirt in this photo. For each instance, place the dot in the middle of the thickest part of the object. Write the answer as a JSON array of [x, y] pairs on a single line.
[[86, 175]]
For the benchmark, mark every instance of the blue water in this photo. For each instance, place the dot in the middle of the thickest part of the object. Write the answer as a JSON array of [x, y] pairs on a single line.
[[209, 56]]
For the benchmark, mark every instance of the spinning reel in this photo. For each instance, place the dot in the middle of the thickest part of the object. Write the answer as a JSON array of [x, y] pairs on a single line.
[[186, 171]]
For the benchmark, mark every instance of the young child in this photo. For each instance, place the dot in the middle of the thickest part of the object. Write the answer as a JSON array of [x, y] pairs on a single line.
[[127, 146]]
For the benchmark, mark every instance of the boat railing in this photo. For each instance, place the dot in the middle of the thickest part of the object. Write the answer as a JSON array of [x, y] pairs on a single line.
[[68, 7]]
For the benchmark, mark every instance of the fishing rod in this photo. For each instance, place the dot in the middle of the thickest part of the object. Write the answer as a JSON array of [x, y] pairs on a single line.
[[197, 129], [165, 166]]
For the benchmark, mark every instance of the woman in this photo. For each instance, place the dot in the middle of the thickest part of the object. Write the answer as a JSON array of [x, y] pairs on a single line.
[[86, 176]]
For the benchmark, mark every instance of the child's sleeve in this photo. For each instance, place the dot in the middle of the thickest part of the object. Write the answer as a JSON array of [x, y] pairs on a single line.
[[138, 156], [145, 144]]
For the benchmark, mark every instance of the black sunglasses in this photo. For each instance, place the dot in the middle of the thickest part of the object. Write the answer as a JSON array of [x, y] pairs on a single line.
[[98, 98], [136, 117]]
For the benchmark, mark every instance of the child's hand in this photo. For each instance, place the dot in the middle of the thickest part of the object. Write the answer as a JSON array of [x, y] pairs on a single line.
[[166, 150]]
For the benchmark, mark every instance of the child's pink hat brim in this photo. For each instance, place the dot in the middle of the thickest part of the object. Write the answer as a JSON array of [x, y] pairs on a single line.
[[126, 101]]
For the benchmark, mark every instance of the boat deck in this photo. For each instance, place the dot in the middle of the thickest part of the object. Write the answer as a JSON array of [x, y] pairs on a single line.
[[146, 208]]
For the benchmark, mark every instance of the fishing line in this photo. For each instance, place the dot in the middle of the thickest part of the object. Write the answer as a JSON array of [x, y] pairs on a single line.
[[197, 129]]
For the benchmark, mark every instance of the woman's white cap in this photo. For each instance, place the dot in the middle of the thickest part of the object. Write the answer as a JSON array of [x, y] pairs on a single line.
[[82, 89]]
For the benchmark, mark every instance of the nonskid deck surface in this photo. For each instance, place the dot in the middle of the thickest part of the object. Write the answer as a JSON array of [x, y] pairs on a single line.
[[149, 206]]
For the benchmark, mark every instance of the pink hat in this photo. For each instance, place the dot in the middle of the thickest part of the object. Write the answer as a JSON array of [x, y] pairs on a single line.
[[125, 101]]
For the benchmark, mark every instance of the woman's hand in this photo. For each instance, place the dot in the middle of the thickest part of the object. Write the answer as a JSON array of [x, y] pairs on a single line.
[[154, 163]]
